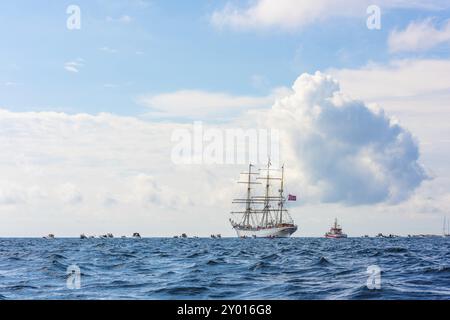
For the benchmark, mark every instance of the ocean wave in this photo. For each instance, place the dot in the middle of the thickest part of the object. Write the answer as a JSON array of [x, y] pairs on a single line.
[[296, 268], [395, 250]]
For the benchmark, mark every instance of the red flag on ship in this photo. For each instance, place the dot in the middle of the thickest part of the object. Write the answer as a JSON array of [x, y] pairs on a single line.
[[292, 198]]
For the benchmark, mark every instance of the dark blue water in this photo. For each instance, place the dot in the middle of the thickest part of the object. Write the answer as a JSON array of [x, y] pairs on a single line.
[[297, 268]]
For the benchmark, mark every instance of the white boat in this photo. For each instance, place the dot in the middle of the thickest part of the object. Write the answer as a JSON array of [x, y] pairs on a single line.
[[50, 236], [335, 232], [261, 218], [446, 228]]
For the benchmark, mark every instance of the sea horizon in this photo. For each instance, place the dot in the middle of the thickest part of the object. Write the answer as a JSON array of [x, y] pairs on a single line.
[[230, 268]]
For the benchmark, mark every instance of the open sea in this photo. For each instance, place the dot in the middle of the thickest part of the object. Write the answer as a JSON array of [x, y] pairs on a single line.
[[228, 268]]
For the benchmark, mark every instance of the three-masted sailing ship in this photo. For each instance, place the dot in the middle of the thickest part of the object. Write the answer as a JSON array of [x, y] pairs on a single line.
[[265, 216]]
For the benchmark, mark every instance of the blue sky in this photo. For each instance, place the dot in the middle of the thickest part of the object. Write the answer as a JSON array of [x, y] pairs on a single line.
[[180, 49], [87, 116]]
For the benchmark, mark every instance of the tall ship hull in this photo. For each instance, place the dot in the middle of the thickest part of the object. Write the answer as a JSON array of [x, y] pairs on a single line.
[[333, 236], [275, 232], [264, 216]]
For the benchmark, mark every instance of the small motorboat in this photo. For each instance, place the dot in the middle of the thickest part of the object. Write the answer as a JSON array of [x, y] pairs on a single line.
[[50, 236], [335, 232]]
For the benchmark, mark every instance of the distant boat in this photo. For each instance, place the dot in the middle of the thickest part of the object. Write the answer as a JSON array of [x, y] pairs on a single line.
[[184, 235], [335, 232], [380, 235], [136, 235], [50, 236], [446, 228], [83, 236]]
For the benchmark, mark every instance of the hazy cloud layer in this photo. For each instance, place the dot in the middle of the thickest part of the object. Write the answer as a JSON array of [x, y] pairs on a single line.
[[419, 36], [294, 14], [198, 104]]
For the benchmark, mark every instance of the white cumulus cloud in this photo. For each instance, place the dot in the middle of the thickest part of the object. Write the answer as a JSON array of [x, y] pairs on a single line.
[[74, 66], [419, 36], [340, 150], [293, 14]]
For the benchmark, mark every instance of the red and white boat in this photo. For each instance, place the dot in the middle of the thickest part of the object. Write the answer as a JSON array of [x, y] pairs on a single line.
[[335, 232]]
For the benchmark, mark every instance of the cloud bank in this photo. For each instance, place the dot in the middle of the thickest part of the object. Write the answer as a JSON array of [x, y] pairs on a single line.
[[114, 173]]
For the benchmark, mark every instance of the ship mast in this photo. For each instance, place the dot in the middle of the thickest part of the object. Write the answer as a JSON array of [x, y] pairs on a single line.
[[281, 194], [261, 217], [443, 228], [248, 208], [266, 198], [256, 205], [247, 215]]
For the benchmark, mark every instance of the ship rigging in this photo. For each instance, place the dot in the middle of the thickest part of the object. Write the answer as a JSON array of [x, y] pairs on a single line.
[[265, 216]]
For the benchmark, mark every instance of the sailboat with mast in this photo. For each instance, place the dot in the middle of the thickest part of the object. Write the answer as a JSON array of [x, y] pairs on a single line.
[[265, 216], [446, 228]]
